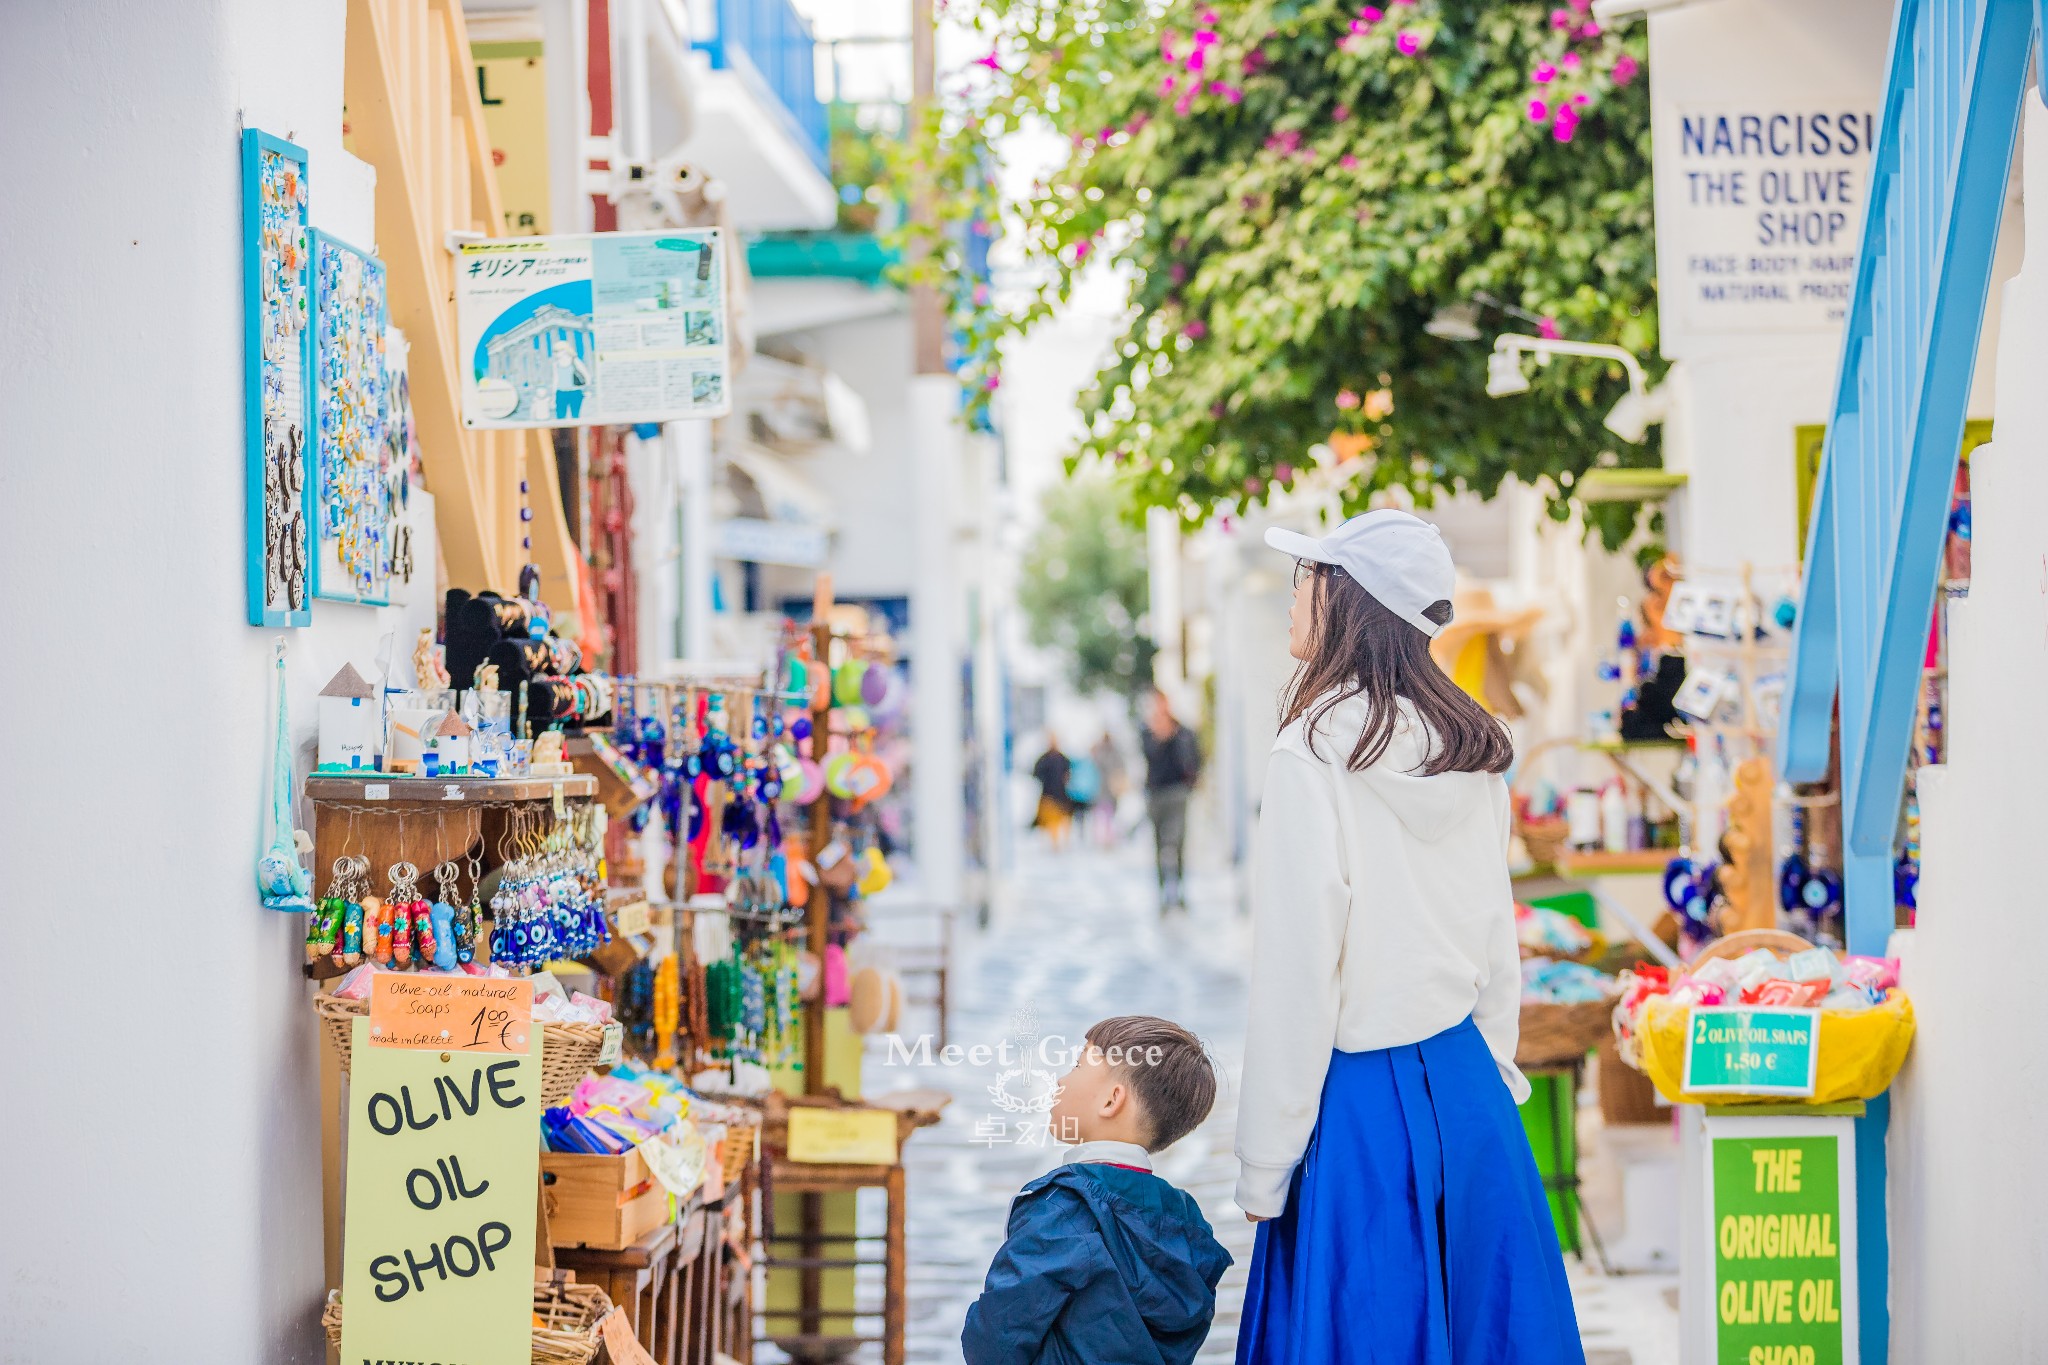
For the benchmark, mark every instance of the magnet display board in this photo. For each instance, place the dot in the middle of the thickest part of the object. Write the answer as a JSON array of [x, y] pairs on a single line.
[[604, 328], [355, 489], [278, 364]]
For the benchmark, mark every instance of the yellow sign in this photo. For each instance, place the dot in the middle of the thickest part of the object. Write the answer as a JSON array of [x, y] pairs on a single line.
[[457, 1013], [633, 918], [511, 83], [438, 1239], [853, 1137]]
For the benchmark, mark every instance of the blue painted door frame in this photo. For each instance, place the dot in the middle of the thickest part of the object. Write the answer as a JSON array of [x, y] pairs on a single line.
[[1938, 174]]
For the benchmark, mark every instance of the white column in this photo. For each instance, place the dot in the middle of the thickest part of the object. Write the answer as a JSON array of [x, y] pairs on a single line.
[[1162, 566], [936, 636], [690, 445], [655, 526]]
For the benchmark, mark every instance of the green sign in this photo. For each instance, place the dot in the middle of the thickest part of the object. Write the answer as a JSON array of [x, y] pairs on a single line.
[[1735, 1050], [1781, 1293], [438, 1234]]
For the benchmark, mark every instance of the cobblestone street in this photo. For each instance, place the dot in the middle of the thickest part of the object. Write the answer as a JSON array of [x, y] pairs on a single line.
[[1080, 938]]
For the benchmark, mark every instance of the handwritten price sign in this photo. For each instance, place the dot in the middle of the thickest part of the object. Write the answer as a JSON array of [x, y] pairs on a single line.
[[450, 1013]]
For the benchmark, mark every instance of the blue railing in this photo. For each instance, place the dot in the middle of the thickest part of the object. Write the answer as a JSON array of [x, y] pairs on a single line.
[[768, 44], [1937, 191]]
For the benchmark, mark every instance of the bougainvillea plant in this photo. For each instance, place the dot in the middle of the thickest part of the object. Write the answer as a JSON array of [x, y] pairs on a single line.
[[1293, 188]]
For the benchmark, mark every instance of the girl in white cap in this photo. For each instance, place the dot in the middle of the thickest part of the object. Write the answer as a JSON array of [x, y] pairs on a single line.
[[1401, 1218]]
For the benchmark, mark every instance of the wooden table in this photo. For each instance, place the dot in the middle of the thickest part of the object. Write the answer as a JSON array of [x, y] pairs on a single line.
[[677, 1285], [784, 1176]]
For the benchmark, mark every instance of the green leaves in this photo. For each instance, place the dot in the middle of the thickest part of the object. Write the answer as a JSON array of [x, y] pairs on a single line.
[[1300, 203]]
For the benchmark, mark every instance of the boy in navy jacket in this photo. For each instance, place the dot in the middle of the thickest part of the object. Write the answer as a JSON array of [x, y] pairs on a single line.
[[1106, 1263]]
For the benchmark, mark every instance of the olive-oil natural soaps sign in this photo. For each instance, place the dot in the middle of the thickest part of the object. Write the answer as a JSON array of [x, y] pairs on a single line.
[[1783, 1224], [443, 1170]]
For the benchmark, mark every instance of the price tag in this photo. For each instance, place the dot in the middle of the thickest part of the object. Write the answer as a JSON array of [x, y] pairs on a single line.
[[632, 918], [450, 1013], [377, 791], [856, 1137], [1735, 1050], [620, 1343], [614, 1039], [451, 792]]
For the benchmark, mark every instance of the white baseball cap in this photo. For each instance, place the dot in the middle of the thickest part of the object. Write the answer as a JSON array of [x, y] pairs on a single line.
[[1397, 557]]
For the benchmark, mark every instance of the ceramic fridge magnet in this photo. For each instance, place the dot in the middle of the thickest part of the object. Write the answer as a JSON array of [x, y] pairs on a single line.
[[278, 358], [356, 500]]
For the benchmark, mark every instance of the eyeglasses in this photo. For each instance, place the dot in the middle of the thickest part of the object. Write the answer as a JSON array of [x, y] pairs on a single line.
[[1305, 569]]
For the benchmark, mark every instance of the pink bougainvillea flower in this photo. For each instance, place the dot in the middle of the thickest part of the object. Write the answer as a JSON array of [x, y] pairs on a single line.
[[1341, 114], [992, 383], [1582, 98], [1624, 69], [1358, 26], [1138, 121], [1168, 84], [1283, 472], [1544, 73], [1408, 44], [1284, 141], [1372, 14], [1166, 42], [1539, 111], [1562, 131], [1253, 485], [1590, 29], [1580, 6], [1209, 17], [1549, 330], [1184, 103], [1255, 61], [1197, 59], [1350, 42], [1570, 61], [1177, 272], [1347, 400], [993, 61], [1560, 18], [1195, 330], [1080, 252], [1348, 162], [1217, 409], [1232, 95], [981, 296]]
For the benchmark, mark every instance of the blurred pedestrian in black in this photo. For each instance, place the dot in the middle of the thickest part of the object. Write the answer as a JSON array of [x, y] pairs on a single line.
[[1052, 772], [1173, 763]]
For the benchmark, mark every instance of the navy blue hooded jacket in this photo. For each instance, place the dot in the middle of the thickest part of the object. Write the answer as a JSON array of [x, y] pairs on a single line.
[[1104, 1265]]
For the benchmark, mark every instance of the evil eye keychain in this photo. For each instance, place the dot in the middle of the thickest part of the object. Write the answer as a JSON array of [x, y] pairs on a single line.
[[445, 916], [353, 880], [325, 921]]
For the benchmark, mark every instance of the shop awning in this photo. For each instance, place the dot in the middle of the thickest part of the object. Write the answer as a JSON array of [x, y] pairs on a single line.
[[785, 495]]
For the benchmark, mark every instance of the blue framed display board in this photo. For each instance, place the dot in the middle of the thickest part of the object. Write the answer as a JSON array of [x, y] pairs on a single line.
[[355, 489], [278, 342]]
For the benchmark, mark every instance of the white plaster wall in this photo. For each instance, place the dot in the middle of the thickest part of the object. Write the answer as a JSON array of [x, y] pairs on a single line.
[[161, 1180], [1969, 1243]]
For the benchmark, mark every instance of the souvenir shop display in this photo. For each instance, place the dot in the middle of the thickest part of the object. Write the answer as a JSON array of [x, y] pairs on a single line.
[[1865, 1022], [276, 289], [543, 670]]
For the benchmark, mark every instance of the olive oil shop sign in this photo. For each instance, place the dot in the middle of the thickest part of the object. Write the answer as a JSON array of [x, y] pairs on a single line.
[[443, 1169], [1759, 216]]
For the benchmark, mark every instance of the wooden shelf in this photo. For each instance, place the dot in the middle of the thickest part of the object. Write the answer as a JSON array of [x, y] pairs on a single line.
[[399, 789], [1602, 864]]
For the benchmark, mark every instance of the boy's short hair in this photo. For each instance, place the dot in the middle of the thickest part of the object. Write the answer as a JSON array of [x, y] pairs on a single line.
[[1167, 1068]]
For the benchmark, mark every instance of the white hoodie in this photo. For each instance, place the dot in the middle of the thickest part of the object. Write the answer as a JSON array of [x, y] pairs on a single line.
[[1381, 915]]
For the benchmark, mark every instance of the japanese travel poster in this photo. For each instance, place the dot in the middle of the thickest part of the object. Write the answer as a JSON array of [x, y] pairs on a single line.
[[586, 330]]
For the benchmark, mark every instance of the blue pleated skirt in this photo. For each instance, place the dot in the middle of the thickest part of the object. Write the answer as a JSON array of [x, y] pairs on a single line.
[[1416, 1231]]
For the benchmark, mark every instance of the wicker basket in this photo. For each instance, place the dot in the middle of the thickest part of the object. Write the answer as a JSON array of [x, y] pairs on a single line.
[[1545, 839], [1558, 1035], [568, 1051], [566, 1330], [738, 1151]]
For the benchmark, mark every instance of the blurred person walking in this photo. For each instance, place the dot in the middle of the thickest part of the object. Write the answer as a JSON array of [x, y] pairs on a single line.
[[1053, 772], [1115, 780], [1173, 764]]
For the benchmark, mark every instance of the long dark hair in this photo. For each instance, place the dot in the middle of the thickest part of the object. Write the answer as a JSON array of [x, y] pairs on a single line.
[[1360, 648]]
